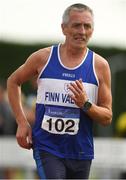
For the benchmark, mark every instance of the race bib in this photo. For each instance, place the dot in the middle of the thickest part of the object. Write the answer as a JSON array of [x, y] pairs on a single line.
[[61, 120]]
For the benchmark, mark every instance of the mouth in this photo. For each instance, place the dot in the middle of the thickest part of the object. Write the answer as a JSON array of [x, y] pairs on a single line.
[[80, 39]]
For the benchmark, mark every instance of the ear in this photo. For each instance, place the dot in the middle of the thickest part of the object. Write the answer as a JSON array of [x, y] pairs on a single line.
[[64, 28], [91, 33]]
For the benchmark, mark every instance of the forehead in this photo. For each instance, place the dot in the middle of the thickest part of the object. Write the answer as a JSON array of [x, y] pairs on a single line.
[[80, 16]]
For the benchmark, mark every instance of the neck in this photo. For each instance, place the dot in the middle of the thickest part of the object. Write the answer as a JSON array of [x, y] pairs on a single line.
[[72, 51], [70, 56]]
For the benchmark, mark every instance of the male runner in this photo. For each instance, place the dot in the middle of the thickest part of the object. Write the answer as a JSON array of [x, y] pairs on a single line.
[[74, 91]]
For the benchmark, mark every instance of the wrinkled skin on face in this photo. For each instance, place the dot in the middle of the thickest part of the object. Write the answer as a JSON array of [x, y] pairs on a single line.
[[79, 28]]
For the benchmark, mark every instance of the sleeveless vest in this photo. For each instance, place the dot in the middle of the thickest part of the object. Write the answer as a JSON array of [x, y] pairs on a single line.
[[61, 127]]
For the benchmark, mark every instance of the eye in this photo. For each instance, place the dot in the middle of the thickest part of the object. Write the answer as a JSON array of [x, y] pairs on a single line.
[[87, 26], [76, 25]]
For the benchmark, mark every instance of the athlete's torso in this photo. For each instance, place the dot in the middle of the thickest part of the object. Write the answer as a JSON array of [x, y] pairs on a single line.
[[61, 128]]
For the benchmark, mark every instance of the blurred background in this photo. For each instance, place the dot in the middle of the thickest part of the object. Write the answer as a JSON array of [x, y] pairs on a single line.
[[28, 25]]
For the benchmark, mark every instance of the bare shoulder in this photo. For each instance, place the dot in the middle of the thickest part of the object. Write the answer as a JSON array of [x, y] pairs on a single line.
[[43, 53], [100, 62], [39, 58], [101, 66], [32, 66]]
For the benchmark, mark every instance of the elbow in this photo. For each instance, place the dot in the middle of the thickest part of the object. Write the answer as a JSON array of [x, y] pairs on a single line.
[[107, 120], [12, 80], [9, 82]]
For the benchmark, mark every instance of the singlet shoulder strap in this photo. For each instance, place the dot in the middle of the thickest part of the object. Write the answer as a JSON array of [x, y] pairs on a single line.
[[53, 53]]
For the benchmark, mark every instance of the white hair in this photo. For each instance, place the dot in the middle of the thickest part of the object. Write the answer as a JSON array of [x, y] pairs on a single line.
[[77, 7]]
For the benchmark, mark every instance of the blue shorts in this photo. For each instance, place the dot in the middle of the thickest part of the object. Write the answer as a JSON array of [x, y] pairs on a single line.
[[52, 167]]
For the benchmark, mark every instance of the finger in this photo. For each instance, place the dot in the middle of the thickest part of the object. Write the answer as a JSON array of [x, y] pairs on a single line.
[[23, 142], [80, 80], [73, 97], [79, 84], [30, 137], [73, 87], [73, 91]]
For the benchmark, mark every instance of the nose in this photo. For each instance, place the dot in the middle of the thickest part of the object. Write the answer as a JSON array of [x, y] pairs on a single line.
[[82, 29]]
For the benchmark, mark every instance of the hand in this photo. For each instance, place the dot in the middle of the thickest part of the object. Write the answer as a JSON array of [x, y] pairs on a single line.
[[24, 136], [79, 94]]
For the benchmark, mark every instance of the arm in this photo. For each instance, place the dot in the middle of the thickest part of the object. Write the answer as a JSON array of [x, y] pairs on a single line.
[[30, 68], [102, 111]]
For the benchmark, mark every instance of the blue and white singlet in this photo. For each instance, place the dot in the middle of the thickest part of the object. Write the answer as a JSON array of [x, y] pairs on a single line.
[[62, 128]]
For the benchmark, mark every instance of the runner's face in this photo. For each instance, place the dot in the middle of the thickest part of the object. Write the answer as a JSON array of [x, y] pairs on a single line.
[[79, 28]]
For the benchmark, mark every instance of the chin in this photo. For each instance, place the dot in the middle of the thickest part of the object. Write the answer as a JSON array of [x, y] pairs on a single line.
[[80, 45]]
